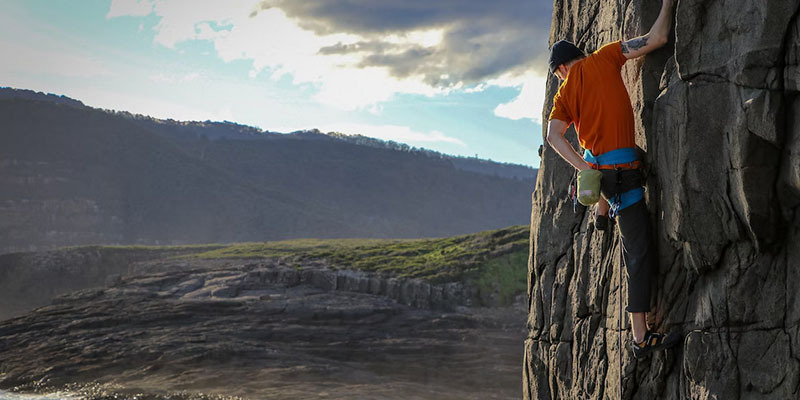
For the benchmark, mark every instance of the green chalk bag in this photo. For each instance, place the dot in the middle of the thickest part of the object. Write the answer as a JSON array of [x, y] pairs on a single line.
[[589, 186]]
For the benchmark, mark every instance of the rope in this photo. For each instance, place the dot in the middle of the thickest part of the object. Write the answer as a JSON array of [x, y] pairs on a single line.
[[619, 316]]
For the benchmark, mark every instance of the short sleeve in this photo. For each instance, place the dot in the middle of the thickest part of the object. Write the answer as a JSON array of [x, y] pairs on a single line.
[[560, 110], [612, 52]]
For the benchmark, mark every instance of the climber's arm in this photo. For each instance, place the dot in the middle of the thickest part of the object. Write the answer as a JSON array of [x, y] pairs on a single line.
[[655, 38], [555, 136]]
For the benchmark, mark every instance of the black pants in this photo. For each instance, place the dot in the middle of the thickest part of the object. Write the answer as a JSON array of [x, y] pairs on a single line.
[[637, 253]]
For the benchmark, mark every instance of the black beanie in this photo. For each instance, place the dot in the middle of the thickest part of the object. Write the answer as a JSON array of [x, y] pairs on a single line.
[[562, 53]]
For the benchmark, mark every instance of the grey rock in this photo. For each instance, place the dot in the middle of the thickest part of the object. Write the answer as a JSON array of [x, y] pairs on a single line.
[[248, 331], [188, 286], [789, 187], [324, 279], [710, 367], [27, 279], [791, 72], [224, 291], [376, 285], [741, 42], [716, 114]]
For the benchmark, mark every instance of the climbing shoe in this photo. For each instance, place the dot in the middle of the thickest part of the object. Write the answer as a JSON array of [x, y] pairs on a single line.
[[654, 342]]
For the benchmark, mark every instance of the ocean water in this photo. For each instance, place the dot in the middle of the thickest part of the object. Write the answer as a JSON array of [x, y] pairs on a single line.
[[4, 395]]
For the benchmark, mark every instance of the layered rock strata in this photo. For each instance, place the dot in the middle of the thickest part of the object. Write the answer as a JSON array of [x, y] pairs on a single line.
[[417, 293], [258, 330], [31, 280]]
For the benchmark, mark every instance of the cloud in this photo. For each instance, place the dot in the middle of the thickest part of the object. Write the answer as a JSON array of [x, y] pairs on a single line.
[[529, 103], [479, 39], [397, 133], [361, 52], [184, 20]]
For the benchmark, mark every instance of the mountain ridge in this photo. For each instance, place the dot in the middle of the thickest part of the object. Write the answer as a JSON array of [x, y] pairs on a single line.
[[73, 175], [215, 130]]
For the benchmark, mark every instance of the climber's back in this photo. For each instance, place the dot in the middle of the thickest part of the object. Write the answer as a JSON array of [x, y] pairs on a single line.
[[594, 97]]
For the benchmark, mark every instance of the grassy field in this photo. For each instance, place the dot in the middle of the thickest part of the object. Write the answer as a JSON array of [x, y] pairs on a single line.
[[432, 259], [494, 261]]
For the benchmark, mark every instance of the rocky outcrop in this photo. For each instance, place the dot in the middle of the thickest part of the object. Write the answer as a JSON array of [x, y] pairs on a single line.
[[418, 293], [31, 280], [257, 330], [716, 114]]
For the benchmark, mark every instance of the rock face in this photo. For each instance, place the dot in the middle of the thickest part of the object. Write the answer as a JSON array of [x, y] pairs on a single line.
[[716, 114], [258, 330]]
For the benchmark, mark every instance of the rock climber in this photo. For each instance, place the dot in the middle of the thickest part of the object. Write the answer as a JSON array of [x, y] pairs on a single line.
[[593, 97]]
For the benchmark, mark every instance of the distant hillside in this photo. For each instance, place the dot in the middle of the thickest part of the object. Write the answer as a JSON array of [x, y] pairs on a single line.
[[8, 93], [472, 164], [71, 175], [229, 130]]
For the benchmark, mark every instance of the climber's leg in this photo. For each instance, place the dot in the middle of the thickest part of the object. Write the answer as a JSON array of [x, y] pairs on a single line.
[[602, 206], [634, 227], [638, 326]]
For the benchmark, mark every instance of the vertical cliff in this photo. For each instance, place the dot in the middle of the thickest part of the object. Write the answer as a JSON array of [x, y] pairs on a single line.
[[718, 117]]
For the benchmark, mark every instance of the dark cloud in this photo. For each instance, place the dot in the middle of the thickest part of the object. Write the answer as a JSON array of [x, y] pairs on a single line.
[[483, 39], [359, 47], [407, 63]]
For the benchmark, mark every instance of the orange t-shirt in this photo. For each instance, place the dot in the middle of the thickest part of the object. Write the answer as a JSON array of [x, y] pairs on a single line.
[[594, 97]]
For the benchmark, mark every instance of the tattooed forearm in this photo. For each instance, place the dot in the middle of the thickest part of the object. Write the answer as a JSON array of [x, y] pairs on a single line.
[[634, 44]]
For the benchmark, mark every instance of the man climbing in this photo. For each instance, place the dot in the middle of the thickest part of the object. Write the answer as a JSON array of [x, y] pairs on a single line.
[[593, 96]]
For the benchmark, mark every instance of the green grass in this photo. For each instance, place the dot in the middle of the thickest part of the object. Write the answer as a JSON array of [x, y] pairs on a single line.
[[435, 260], [495, 262], [505, 276]]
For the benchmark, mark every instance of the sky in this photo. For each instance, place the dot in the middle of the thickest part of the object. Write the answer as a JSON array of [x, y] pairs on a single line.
[[462, 77]]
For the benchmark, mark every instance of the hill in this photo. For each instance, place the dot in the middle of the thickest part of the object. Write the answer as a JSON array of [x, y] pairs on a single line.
[[72, 175]]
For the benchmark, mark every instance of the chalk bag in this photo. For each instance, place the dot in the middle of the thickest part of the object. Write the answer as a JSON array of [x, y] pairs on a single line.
[[589, 186]]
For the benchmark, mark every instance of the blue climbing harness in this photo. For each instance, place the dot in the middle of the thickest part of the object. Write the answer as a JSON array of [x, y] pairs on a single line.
[[625, 155]]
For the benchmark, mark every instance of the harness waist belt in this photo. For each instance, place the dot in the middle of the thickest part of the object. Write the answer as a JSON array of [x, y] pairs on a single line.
[[620, 158], [625, 155]]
